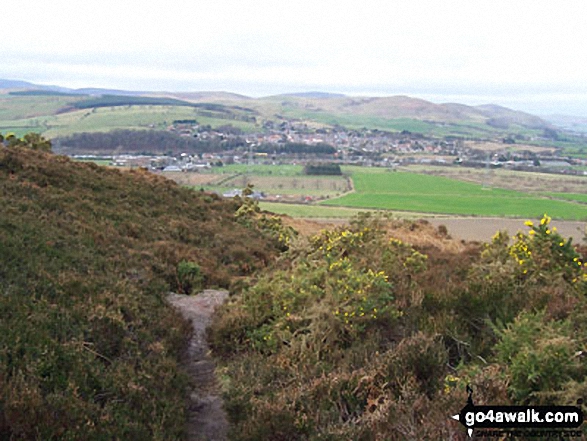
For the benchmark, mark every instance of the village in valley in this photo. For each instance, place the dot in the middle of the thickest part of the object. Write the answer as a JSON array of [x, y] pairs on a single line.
[[295, 142]]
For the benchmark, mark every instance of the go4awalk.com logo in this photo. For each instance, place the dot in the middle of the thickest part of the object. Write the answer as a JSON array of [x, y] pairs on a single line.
[[538, 418]]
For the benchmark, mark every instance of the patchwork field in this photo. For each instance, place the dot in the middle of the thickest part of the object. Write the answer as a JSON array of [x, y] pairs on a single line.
[[434, 194], [24, 118], [317, 186], [262, 169]]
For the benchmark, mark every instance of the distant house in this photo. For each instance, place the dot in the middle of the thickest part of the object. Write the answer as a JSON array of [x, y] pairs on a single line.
[[237, 192], [172, 168]]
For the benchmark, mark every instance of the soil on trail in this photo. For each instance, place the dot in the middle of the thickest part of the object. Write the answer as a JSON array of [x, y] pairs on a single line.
[[206, 418]]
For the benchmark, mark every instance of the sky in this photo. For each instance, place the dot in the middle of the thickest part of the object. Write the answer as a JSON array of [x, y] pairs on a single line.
[[527, 55]]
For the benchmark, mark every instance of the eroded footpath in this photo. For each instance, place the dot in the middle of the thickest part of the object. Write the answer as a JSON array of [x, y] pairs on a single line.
[[206, 419]]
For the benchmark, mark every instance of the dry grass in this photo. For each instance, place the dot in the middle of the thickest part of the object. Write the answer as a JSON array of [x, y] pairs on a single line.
[[513, 180], [496, 146], [193, 179]]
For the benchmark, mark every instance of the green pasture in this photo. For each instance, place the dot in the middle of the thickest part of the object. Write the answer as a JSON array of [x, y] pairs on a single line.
[[570, 196], [414, 183], [390, 124], [261, 170], [111, 118], [319, 186], [103, 162], [13, 107], [433, 194]]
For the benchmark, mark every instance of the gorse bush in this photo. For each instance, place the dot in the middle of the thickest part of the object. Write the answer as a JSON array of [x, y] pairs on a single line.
[[542, 357], [322, 337], [32, 141], [357, 334], [249, 214]]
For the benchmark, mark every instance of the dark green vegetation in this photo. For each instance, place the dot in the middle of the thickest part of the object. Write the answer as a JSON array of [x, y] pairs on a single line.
[[356, 334], [322, 169], [436, 194], [140, 142], [297, 148], [116, 100], [88, 346]]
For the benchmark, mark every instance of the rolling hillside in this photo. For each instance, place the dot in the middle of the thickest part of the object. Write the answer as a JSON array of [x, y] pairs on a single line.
[[88, 346], [25, 106]]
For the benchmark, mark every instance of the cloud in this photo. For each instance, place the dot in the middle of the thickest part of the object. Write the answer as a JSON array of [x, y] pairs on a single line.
[[457, 47]]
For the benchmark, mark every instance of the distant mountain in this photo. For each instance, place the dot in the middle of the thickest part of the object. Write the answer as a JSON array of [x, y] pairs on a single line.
[[98, 91], [318, 95], [17, 84], [199, 97], [392, 112], [400, 107], [568, 122]]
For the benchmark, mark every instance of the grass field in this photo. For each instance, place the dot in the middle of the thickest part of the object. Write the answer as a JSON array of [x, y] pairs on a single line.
[[261, 170], [319, 186], [109, 118], [570, 196], [21, 107], [103, 162], [435, 194]]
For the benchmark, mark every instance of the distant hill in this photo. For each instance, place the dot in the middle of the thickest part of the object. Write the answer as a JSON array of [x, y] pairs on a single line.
[[569, 122], [394, 113], [403, 107], [16, 84], [199, 97], [318, 95]]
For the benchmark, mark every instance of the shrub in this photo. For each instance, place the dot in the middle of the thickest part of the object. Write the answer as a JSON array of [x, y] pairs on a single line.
[[189, 277], [540, 358]]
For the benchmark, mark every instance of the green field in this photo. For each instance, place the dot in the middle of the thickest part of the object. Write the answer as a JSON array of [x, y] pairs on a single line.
[[318, 186], [21, 107], [261, 170], [570, 196], [25, 118], [433, 194]]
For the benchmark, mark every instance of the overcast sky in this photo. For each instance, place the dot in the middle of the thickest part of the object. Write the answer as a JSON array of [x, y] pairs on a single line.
[[525, 54]]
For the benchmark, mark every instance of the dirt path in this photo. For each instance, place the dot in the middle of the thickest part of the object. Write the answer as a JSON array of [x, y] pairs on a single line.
[[206, 419]]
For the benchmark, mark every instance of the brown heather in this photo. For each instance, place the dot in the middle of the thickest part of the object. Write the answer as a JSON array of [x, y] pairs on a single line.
[[88, 345]]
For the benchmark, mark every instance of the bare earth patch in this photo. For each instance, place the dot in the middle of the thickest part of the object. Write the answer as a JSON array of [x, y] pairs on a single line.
[[206, 418], [482, 229]]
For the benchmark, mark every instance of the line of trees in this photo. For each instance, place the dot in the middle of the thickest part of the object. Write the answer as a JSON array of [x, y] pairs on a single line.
[[322, 169], [297, 148], [142, 142]]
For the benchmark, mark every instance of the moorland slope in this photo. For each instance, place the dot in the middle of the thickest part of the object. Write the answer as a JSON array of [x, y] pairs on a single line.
[[88, 346]]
